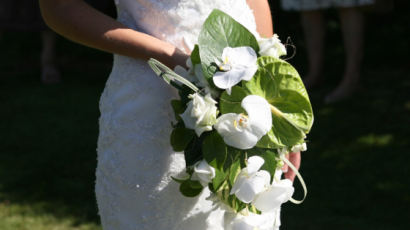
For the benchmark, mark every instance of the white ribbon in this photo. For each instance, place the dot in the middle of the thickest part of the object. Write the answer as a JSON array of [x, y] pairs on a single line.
[[282, 157]]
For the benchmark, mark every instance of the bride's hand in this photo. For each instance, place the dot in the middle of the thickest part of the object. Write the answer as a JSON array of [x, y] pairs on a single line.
[[178, 58], [295, 159]]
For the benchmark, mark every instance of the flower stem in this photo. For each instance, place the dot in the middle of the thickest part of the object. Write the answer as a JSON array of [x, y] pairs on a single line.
[[276, 111]]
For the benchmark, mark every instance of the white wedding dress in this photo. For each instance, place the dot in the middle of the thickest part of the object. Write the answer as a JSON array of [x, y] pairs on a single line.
[[134, 188]]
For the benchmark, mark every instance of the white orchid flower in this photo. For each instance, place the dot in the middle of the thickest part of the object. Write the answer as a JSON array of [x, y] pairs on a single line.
[[200, 114], [250, 181], [276, 194], [237, 64], [299, 148], [203, 172], [271, 47], [244, 131]]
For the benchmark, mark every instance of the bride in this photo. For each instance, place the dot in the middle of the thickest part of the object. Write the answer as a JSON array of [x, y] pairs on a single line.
[[134, 189]]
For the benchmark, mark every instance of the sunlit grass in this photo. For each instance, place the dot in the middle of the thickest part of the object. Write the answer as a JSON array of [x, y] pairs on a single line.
[[376, 140], [33, 217]]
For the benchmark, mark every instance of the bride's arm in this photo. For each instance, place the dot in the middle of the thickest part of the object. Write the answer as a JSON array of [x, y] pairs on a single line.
[[263, 17], [77, 21]]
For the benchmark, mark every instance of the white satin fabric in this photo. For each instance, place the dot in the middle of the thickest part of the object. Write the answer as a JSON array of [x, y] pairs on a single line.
[[135, 161]]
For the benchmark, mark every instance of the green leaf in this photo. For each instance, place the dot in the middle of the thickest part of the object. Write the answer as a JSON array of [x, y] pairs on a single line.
[[236, 204], [184, 93], [195, 58], [180, 138], [234, 171], [219, 179], [193, 153], [280, 84], [179, 108], [180, 181], [233, 155], [218, 32], [283, 134], [232, 103], [190, 188], [214, 150]]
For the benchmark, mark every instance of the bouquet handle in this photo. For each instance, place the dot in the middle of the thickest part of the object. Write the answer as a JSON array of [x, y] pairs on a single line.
[[168, 75]]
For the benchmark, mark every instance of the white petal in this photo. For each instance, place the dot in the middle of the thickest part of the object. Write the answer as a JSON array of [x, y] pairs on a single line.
[[244, 55], [243, 66], [200, 129], [241, 139], [224, 124], [249, 72], [278, 174], [254, 164], [246, 193], [253, 186], [209, 99], [225, 80], [246, 137], [189, 121], [240, 179], [259, 112], [203, 172], [275, 196], [204, 168], [299, 148], [271, 47], [261, 181]]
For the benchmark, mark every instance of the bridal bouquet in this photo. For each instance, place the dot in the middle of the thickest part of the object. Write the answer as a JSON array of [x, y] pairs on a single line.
[[241, 110]]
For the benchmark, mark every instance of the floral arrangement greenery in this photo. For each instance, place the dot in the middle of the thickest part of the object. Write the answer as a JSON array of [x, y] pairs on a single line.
[[241, 110]]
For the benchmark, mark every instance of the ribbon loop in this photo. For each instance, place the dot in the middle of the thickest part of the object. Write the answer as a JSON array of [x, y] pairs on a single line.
[[282, 157]]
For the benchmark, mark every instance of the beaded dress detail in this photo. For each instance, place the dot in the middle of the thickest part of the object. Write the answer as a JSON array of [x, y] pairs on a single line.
[[134, 188]]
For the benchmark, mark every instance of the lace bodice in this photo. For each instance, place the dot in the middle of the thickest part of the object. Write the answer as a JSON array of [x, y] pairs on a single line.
[[179, 21], [135, 161]]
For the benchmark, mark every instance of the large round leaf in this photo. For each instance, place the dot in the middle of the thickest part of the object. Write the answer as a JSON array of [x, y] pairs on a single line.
[[280, 84], [218, 32]]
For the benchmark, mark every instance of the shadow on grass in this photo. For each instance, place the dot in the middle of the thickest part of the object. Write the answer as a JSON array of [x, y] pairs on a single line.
[[48, 148], [356, 162], [49, 133]]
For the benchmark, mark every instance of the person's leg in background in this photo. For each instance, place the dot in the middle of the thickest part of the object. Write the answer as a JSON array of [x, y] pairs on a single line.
[[314, 29], [352, 21]]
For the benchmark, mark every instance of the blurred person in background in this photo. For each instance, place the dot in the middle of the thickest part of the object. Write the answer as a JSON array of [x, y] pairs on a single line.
[[352, 22], [24, 15]]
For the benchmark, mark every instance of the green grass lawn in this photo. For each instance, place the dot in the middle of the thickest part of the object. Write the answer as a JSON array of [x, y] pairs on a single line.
[[356, 166]]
